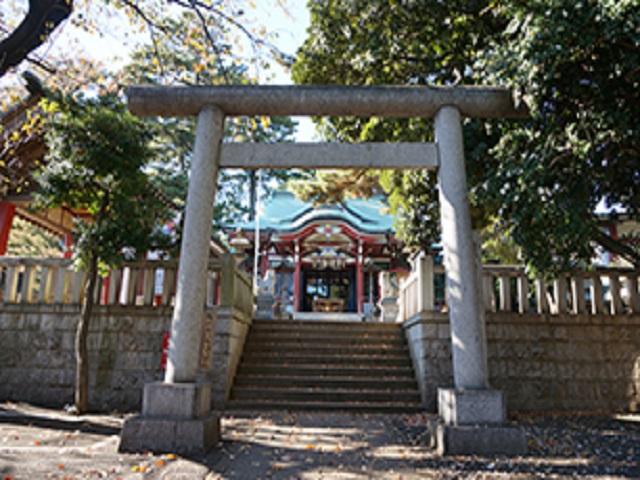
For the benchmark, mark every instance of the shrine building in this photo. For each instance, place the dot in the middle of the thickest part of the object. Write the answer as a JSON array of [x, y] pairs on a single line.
[[323, 258]]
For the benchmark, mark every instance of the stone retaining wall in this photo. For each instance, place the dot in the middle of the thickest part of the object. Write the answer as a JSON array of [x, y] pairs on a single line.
[[230, 332], [541, 362], [37, 362]]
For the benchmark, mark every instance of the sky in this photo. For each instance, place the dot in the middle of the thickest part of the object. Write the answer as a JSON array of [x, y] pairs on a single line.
[[288, 19]]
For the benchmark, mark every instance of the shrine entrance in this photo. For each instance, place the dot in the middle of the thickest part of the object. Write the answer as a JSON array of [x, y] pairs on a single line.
[[329, 290]]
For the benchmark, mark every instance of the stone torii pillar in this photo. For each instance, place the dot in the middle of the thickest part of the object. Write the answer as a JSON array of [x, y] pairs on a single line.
[[467, 331], [176, 414], [472, 414]]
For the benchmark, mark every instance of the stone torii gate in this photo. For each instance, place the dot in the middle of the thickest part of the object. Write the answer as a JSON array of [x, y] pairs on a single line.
[[178, 409]]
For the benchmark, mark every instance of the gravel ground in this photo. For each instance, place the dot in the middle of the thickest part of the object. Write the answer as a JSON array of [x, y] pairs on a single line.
[[39, 443]]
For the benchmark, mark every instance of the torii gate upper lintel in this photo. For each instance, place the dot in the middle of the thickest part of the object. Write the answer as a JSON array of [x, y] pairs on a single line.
[[447, 105], [325, 100]]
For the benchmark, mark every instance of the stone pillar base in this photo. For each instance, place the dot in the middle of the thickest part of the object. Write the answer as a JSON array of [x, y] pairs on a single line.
[[264, 306], [465, 407], [185, 437], [176, 418], [473, 422], [477, 439], [389, 309]]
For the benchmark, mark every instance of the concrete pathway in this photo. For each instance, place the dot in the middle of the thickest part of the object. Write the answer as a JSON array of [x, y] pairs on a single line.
[[38, 443]]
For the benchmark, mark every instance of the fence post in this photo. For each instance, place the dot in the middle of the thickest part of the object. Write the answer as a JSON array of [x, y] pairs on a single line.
[[577, 294], [504, 285], [27, 281], [227, 280], [425, 282], [523, 293], [560, 294], [597, 302], [634, 296], [488, 293], [614, 289], [148, 285], [10, 281], [542, 305]]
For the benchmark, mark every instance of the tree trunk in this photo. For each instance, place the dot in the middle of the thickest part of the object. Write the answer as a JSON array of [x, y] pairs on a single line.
[[82, 332]]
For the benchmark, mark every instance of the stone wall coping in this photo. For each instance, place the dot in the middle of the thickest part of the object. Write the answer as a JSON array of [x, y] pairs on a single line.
[[563, 318], [235, 313], [427, 317], [98, 310]]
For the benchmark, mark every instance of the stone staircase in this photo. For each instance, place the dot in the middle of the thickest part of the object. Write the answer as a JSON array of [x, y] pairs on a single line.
[[321, 365]]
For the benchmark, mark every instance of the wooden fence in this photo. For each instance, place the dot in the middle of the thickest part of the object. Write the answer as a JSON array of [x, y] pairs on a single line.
[[508, 288]]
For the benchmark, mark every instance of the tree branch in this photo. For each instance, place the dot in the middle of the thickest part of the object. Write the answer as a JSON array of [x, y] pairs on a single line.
[[617, 247], [42, 18]]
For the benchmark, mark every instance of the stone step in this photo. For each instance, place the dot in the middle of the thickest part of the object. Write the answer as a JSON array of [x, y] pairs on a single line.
[[314, 394], [322, 369], [347, 341], [369, 328], [325, 349], [280, 358], [325, 365], [324, 325], [327, 334], [345, 382], [354, 407]]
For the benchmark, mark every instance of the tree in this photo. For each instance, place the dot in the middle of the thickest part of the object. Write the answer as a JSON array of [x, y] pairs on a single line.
[[184, 58], [220, 24], [97, 153], [575, 62]]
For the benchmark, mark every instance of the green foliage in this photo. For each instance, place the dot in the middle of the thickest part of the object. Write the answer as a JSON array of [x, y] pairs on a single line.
[[413, 43], [576, 63], [97, 152]]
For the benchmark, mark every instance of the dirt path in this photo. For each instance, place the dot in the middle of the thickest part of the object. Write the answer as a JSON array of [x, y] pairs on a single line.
[[39, 443]]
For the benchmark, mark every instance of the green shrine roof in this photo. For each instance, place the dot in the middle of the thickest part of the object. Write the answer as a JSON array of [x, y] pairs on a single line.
[[283, 212]]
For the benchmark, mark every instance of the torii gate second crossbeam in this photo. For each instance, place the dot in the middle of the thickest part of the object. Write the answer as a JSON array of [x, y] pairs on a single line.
[[179, 404]]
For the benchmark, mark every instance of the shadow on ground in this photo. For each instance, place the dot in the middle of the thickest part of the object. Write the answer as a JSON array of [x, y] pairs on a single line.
[[72, 425], [315, 445], [302, 445]]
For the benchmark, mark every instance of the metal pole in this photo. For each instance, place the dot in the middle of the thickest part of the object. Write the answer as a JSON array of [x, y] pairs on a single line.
[[256, 253]]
